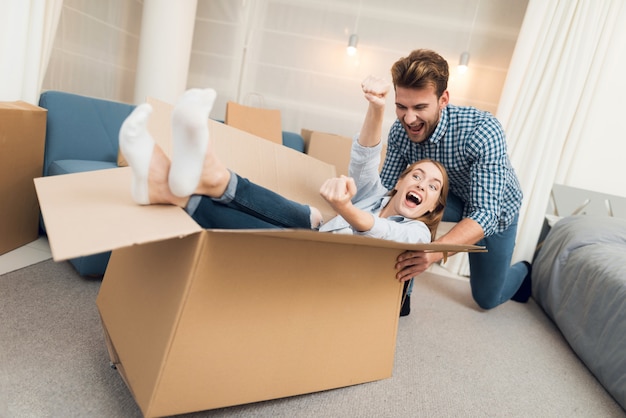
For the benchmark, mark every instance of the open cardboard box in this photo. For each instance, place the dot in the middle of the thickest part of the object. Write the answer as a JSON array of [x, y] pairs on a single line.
[[199, 319]]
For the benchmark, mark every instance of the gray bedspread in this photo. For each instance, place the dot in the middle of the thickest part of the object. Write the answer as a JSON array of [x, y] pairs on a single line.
[[579, 279]]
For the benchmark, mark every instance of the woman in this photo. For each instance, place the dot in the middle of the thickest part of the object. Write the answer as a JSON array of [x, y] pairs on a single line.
[[218, 198]]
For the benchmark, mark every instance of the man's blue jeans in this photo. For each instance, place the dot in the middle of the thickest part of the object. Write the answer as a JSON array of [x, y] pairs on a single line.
[[492, 278]]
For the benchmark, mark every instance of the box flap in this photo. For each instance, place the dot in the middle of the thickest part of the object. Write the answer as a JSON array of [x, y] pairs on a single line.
[[93, 212], [21, 105], [361, 240]]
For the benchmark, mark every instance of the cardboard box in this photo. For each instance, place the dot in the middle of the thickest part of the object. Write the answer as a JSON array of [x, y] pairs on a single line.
[[332, 149], [22, 138], [264, 123], [199, 319]]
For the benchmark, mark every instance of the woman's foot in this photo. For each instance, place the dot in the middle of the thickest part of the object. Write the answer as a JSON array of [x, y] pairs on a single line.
[[196, 169], [137, 145], [147, 160], [190, 140]]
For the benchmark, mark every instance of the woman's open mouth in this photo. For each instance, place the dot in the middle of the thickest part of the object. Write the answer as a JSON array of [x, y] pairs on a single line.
[[413, 198]]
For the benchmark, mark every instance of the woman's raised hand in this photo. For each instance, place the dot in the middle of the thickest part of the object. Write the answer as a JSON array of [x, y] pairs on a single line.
[[375, 90]]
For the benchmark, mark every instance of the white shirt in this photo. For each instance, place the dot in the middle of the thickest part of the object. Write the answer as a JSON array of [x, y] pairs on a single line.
[[372, 197]]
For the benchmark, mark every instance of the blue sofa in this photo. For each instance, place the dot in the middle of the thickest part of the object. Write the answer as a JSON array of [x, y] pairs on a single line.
[[82, 135]]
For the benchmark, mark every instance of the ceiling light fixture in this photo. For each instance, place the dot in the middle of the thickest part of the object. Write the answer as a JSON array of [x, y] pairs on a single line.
[[465, 56], [352, 42], [354, 38], [463, 62]]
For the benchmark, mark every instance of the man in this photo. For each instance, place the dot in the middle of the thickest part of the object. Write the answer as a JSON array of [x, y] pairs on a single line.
[[485, 195]]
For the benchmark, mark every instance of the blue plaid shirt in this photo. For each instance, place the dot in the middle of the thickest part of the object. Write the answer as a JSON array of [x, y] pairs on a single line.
[[470, 143]]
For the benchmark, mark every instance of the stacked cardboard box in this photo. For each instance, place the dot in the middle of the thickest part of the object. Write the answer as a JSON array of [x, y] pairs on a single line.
[[22, 137]]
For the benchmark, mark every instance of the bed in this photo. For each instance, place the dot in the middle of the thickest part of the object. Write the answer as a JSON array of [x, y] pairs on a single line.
[[579, 279]]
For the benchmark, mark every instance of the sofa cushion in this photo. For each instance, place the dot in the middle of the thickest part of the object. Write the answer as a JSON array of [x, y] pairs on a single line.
[[77, 166], [293, 140]]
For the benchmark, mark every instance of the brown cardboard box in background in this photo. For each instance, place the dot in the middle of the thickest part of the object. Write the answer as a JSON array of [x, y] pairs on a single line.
[[265, 123], [22, 139], [199, 319], [332, 149]]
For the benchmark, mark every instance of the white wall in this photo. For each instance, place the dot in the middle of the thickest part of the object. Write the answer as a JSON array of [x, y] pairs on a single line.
[[95, 50], [295, 57], [293, 52]]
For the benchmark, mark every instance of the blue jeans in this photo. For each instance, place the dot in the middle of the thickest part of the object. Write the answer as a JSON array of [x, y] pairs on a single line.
[[492, 278], [246, 205]]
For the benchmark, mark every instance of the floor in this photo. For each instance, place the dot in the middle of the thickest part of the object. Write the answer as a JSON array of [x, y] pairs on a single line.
[[26, 255]]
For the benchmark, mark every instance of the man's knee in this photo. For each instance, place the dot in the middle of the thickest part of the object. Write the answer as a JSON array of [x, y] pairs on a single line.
[[486, 300]]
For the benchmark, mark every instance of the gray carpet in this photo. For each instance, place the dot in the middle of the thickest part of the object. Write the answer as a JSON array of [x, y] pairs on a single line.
[[451, 360]]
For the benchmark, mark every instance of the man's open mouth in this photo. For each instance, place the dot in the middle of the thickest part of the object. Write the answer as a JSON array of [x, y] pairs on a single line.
[[416, 128]]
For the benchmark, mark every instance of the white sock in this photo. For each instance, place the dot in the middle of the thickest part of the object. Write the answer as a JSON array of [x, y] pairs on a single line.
[[136, 145], [190, 139]]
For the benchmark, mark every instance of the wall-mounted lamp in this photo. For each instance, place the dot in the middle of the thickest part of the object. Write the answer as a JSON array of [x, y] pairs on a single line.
[[352, 42], [463, 62]]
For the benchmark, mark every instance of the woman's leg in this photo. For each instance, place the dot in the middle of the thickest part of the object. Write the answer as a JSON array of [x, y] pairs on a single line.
[[210, 214], [262, 208], [190, 140], [150, 168]]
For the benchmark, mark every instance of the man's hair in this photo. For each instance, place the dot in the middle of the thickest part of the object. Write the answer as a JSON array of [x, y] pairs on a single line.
[[420, 69]]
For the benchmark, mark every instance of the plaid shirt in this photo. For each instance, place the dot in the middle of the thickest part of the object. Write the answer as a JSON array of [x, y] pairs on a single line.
[[470, 144]]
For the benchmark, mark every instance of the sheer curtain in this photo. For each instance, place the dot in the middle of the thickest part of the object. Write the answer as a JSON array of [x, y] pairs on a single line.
[[562, 71], [27, 29], [560, 59]]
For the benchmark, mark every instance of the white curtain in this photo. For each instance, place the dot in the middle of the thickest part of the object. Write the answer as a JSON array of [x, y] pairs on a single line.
[[558, 62], [564, 53], [27, 29]]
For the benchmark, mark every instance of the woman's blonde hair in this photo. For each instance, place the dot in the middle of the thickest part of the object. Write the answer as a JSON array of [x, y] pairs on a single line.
[[432, 218]]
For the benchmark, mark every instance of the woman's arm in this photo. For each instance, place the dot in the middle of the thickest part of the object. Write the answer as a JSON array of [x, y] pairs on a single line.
[[375, 90], [365, 155], [338, 192]]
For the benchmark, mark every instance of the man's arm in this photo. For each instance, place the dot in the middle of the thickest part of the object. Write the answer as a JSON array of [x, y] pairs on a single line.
[[411, 263]]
